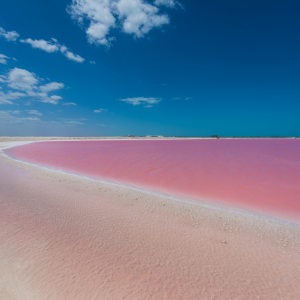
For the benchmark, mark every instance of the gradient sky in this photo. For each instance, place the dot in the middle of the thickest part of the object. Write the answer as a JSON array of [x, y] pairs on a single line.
[[118, 67]]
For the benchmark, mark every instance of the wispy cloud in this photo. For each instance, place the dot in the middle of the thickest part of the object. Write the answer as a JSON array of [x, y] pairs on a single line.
[[6, 97], [34, 112], [53, 46], [5, 101], [52, 99], [148, 102], [135, 17], [68, 103], [48, 46], [10, 36], [70, 55], [12, 95], [100, 110], [179, 98], [6, 117], [52, 86], [167, 3], [12, 117], [3, 59], [92, 62], [73, 122]]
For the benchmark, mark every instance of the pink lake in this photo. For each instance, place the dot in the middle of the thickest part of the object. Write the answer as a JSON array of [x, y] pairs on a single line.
[[257, 175]]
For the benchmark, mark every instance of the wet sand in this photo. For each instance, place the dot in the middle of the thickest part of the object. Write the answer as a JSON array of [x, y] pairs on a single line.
[[66, 237]]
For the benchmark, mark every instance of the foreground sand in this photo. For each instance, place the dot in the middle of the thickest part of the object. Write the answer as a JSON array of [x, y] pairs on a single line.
[[65, 237]]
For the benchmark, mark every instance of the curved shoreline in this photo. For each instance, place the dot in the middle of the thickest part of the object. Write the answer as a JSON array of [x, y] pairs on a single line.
[[145, 191], [66, 237]]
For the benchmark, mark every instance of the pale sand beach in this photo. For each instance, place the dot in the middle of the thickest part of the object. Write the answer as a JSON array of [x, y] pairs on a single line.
[[68, 237]]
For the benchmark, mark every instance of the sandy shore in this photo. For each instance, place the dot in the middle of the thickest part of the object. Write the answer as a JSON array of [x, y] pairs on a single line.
[[66, 237]]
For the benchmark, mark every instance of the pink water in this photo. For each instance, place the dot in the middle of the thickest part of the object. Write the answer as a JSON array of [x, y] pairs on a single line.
[[260, 175]]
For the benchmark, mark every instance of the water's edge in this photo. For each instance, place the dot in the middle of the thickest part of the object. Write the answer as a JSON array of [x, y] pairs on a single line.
[[144, 191]]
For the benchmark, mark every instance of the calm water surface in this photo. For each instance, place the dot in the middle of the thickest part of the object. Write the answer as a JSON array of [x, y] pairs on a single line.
[[257, 174]]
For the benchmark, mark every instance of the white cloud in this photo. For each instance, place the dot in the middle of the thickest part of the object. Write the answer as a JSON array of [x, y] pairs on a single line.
[[73, 122], [92, 62], [48, 46], [16, 95], [101, 124], [179, 98], [55, 97], [52, 86], [70, 55], [100, 110], [21, 79], [11, 36], [3, 59], [34, 112], [6, 117], [12, 95], [168, 3], [3, 78], [11, 117], [42, 44], [99, 14], [4, 101], [53, 46], [68, 103], [36, 94], [24, 80], [135, 17], [139, 17], [141, 100], [52, 99]]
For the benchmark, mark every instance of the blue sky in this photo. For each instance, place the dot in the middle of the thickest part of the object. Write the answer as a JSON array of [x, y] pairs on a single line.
[[162, 67]]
